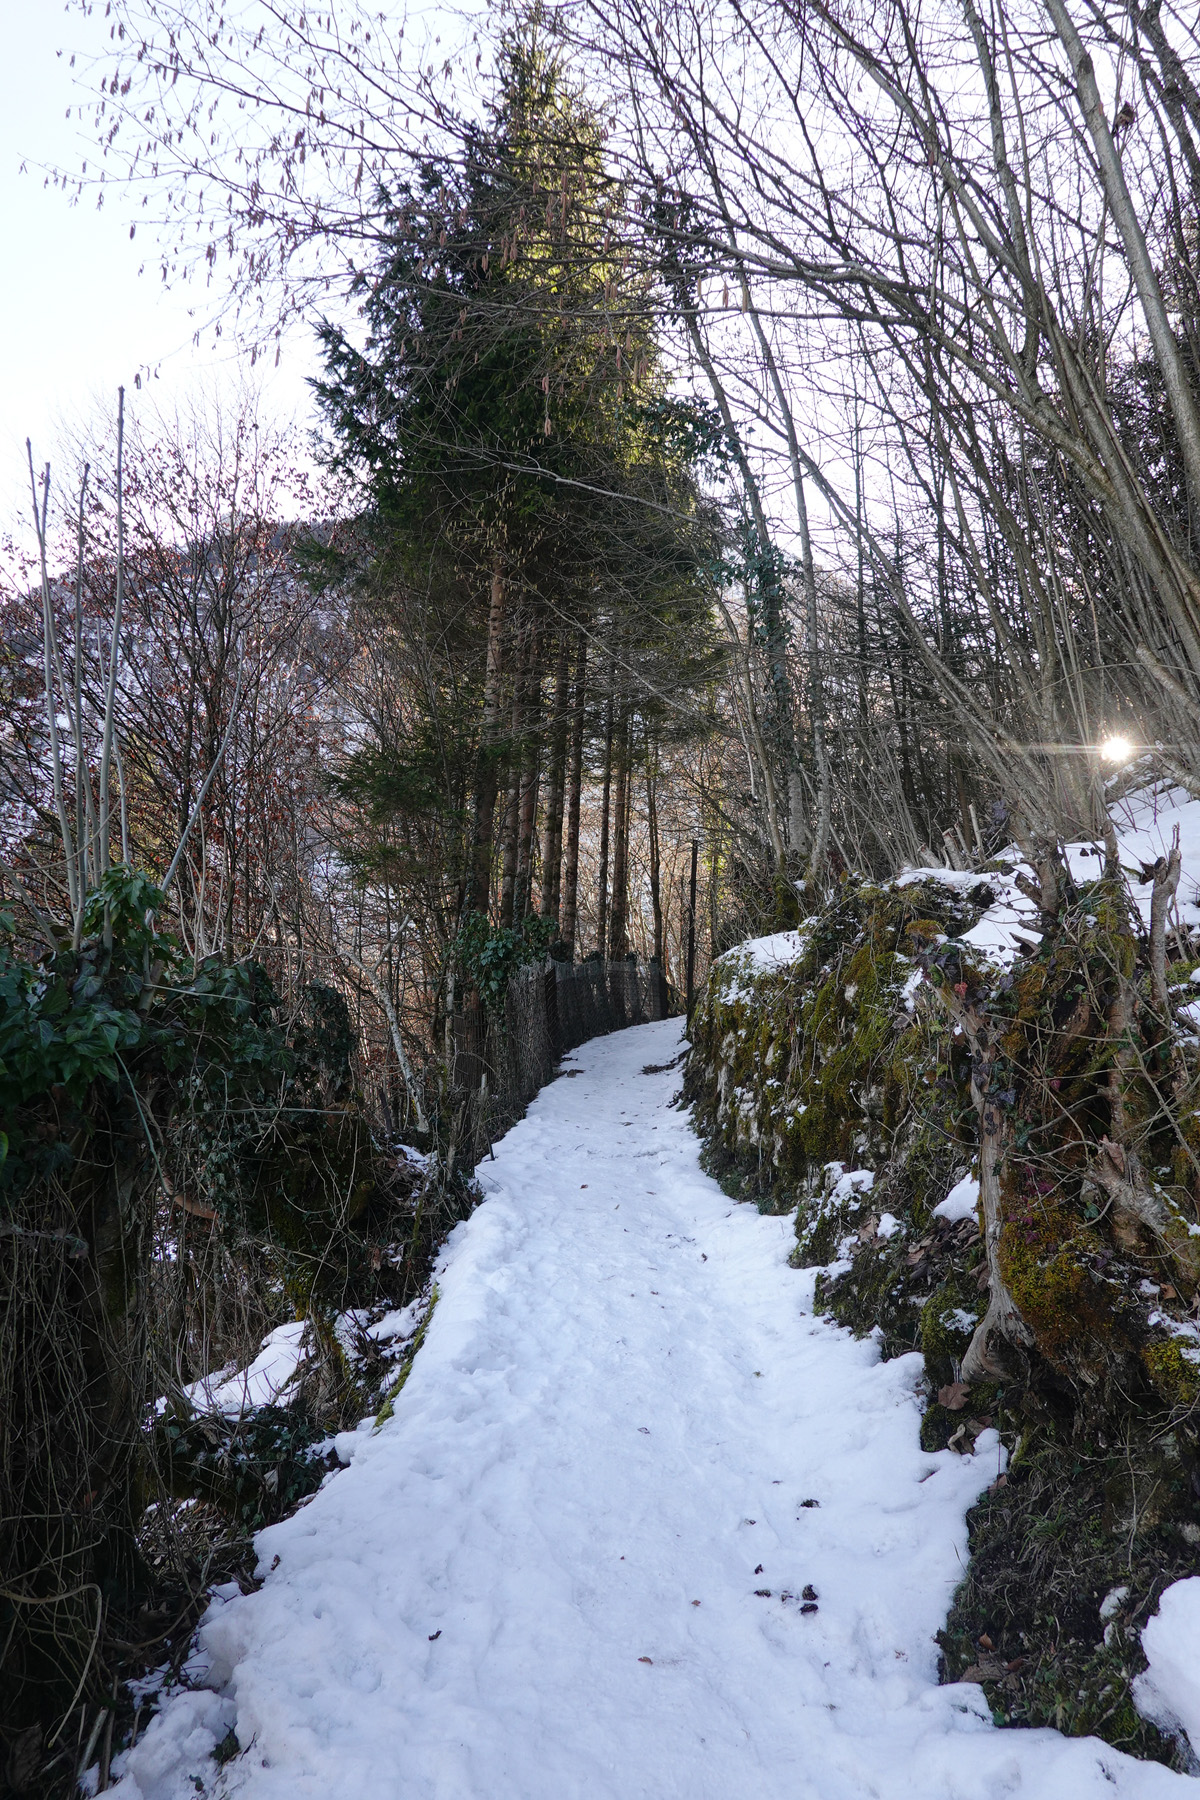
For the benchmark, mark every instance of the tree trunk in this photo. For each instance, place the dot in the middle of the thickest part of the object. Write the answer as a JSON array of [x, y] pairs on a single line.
[[512, 811], [574, 786], [655, 866], [552, 837], [1166, 881], [714, 865], [530, 779], [1172, 365], [530, 760], [479, 879], [618, 929], [602, 898], [1002, 1321]]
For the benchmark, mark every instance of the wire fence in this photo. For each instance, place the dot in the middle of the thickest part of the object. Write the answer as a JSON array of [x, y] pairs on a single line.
[[500, 1063]]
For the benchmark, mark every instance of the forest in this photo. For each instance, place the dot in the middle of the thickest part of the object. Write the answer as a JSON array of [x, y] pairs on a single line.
[[754, 463]]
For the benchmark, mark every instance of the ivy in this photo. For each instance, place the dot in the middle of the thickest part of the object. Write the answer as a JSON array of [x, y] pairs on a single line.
[[490, 955]]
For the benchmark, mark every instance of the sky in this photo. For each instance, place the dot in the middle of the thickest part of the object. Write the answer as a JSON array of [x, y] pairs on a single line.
[[76, 318]]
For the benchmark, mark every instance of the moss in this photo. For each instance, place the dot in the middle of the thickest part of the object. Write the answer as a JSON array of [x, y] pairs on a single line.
[[794, 1067], [1047, 1259], [938, 1425], [947, 1323], [388, 1406], [1173, 1374]]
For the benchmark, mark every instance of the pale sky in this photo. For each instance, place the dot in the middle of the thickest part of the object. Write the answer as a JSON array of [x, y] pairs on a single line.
[[76, 318]]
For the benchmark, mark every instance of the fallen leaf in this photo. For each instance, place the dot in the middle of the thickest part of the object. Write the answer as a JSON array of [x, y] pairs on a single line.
[[646, 1659], [809, 1593], [954, 1395], [985, 1642], [759, 1570], [990, 1669], [810, 1606], [763, 1593], [434, 1636]]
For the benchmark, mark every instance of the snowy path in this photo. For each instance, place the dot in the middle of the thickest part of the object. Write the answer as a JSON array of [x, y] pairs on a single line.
[[538, 1581]]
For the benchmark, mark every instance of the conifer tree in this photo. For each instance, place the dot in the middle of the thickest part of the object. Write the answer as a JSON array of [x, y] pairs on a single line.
[[525, 472]]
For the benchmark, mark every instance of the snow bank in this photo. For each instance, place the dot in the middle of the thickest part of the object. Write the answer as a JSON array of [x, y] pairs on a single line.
[[1010, 922], [1168, 1694], [173, 1757], [1146, 822]]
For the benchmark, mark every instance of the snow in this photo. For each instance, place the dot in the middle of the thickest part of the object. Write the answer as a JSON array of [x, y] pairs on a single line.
[[1112, 1603], [961, 1202], [572, 1565], [262, 1384], [267, 1380], [401, 1323], [1010, 924], [960, 881], [1145, 822], [1169, 1691], [843, 1182], [180, 1738], [755, 957], [778, 951]]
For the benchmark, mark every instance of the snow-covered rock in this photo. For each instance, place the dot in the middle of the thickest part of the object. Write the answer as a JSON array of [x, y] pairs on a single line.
[[961, 1202]]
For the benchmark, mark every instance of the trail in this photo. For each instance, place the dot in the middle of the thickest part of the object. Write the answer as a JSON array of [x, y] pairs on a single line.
[[573, 1565]]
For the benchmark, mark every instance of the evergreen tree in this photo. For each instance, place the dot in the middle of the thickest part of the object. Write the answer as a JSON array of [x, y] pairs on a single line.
[[530, 486]]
